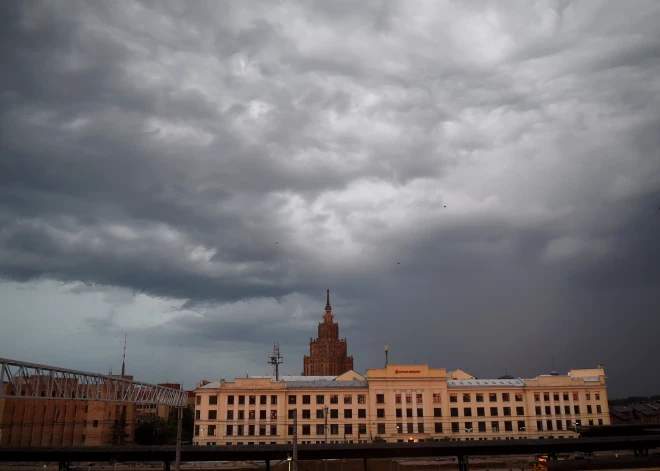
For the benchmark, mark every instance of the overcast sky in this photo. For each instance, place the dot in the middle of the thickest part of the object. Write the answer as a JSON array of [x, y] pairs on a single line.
[[477, 183]]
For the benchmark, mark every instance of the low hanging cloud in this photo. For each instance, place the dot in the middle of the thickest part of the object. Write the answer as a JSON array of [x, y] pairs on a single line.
[[477, 183]]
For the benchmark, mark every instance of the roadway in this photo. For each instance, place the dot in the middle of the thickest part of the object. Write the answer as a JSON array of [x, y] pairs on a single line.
[[335, 451]]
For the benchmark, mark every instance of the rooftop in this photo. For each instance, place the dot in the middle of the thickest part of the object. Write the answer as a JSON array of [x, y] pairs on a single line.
[[462, 383]]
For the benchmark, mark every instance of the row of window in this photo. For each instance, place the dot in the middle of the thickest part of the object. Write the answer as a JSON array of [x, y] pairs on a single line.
[[567, 409], [398, 398]]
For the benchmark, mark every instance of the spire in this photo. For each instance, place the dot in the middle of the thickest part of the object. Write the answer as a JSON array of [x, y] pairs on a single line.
[[327, 303]]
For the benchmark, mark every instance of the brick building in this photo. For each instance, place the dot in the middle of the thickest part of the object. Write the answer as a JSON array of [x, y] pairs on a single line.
[[327, 353]]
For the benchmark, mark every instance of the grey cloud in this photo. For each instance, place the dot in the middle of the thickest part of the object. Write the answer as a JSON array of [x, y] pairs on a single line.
[[212, 153]]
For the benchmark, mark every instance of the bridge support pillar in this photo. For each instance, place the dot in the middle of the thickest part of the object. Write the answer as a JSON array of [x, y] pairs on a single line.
[[366, 464], [463, 463], [64, 466], [166, 466], [267, 465]]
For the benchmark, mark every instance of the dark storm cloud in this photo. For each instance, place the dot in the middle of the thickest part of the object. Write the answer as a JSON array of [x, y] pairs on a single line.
[[476, 182]]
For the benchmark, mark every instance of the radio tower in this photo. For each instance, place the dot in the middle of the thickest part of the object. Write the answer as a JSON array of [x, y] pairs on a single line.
[[276, 359], [123, 360]]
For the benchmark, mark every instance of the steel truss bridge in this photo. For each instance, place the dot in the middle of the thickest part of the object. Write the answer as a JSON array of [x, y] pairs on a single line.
[[462, 450], [30, 380]]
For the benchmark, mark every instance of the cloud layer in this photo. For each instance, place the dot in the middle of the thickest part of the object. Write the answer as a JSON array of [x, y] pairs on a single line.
[[478, 183]]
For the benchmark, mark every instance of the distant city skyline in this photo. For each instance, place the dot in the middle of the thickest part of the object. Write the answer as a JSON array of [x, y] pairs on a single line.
[[478, 184]]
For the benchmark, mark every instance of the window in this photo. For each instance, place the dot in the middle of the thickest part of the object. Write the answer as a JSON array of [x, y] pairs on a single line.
[[334, 429], [466, 397], [549, 424], [555, 397], [320, 429], [306, 430], [319, 413], [507, 411], [600, 421], [253, 400], [506, 397], [577, 409], [519, 397], [521, 425], [539, 425], [492, 397], [597, 395], [567, 409], [591, 421], [481, 412], [348, 413], [398, 413], [241, 414], [537, 397], [467, 412], [348, 399], [306, 414], [420, 412], [480, 397], [362, 398], [557, 410], [230, 400], [241, 400], [380, 398], [520, 411], [320, 398], [409, 428], [547, 410], [289, 429], [362, 413], [95, 424], [559, 424], [588, 408], [380, 413], [437, 427], [599, 409], [198, 414], [437, 412], [453, 397], [273, 429], [240, 430], [408, 398], [348, 429], [211, 430], [453, 411], [262, 415], [292, 413], [493, 411], [196, 428], [565, 396], [251, 430], [454, 427], [273, 414], [380, 428], [481, 427], [437, 398], [575, 396], [546, 397], [273, 399], [262, 430], [213, 400], [399, 427], [468, 427], [508, 426], [587, 396], [263, 399], [362, 429], [251, 415], [397, 399], [495, 426], [198, 400], [409, 413], [292, 399], [568, 424], [307, 399], [334, 413], [213, 415], [229, 430], [419, 398]]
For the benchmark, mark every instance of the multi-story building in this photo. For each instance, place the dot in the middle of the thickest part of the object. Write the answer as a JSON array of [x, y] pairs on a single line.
[[328, 354], [398, 403], [55, 421]]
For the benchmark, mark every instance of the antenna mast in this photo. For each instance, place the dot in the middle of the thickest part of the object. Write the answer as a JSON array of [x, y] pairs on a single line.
[[123, 360], [276, 359]]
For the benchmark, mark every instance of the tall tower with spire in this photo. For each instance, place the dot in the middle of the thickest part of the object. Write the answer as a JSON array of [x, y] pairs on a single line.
[[327, 353]]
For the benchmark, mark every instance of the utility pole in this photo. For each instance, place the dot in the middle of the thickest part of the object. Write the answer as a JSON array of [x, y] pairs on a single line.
[[295, 440], [325, 416], [179, 427], [387, 349], [276, 360]]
